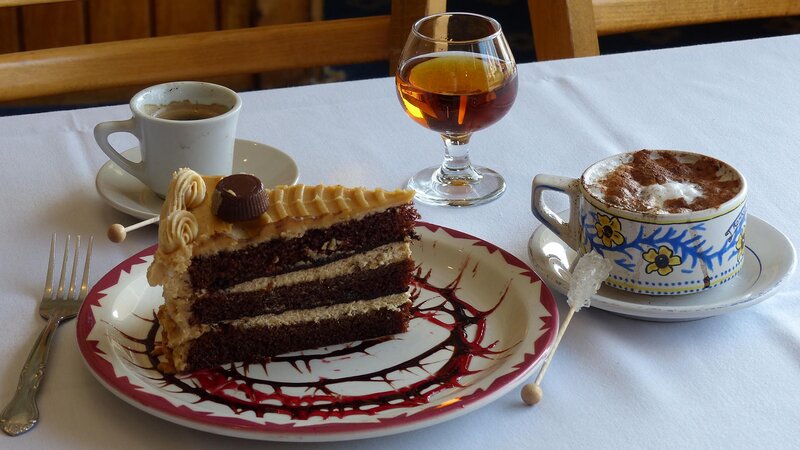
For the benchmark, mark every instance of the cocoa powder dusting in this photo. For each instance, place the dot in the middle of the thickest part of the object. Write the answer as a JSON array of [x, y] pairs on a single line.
[[622, 187]]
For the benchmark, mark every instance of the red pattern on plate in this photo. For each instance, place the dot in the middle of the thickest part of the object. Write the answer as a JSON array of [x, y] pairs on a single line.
[[264, 396]]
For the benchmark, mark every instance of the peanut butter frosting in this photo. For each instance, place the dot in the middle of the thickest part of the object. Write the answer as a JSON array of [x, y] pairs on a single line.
[[188, 226]]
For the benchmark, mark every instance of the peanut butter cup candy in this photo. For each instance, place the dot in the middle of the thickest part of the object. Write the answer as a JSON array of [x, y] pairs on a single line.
[[238, 198]]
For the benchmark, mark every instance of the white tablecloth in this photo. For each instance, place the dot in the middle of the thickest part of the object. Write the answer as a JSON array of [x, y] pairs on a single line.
[[727, 381]]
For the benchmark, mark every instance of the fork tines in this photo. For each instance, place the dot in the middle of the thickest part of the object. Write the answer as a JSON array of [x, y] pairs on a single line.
[[61, 294]]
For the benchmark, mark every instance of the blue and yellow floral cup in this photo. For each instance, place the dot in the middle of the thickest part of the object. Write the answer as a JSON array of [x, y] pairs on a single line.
[[654, 252]]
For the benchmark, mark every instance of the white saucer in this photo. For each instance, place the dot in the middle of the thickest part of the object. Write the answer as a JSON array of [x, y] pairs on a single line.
[[769, 261], [126, 193]]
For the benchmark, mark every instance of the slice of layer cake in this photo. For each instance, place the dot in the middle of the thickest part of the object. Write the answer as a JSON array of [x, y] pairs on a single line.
[[250, 273]]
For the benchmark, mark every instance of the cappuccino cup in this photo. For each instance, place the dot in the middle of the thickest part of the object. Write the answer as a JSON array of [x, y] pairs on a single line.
[[672, 222], [179, 124]]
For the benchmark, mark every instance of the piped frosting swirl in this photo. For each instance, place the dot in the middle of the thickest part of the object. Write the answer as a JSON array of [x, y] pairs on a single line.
[[177, 231], [178, 227], [187, 191]]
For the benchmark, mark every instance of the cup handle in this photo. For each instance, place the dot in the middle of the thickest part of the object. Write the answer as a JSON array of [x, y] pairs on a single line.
[[568, 231], [101, 133]]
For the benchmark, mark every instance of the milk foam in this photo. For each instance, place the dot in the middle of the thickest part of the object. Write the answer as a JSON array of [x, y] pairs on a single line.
[[653, 196], [683, 181], [656, 195], [599, 171]]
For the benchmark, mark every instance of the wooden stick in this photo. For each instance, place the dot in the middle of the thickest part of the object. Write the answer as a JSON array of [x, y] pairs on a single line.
[[117, 233], [532, 392]]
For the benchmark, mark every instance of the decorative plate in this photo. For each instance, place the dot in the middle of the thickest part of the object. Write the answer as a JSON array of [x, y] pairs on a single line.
[[482, 320]]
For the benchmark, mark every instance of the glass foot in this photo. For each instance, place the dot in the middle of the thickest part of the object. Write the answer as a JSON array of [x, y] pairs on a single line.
[[433, 189]]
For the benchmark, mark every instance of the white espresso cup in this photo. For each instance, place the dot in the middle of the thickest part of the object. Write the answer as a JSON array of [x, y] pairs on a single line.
[[655, 251], [180, 124]]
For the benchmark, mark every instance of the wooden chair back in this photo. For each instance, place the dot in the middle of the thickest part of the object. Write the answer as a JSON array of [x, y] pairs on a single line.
[[88, 67], [570, 28]]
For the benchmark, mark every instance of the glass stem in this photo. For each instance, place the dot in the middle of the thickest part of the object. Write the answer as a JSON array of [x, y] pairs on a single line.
[[457, 167]]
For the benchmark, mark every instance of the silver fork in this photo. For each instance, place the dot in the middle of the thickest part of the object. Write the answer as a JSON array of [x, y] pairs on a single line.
[[21, 413]]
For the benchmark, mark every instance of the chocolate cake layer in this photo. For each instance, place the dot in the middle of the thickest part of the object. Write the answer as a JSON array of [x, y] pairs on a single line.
[[361, 285], [251, 345], [316, 247]]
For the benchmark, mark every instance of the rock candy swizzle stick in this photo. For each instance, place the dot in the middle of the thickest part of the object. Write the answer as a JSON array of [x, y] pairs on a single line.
[[589, 272]]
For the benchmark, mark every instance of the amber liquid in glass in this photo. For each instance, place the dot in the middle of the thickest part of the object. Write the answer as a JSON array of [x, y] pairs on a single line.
[[456, 93]]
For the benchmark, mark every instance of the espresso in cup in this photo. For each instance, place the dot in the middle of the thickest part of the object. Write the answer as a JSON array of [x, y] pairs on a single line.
[[186, 110], [672, 222], [178, 124]]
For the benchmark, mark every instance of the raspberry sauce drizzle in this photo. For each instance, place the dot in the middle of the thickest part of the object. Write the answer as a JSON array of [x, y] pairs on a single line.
[[233, 386]]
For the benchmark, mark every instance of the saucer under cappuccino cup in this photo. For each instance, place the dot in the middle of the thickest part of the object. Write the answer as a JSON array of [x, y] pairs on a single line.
[[180, 124], [670, 234]]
